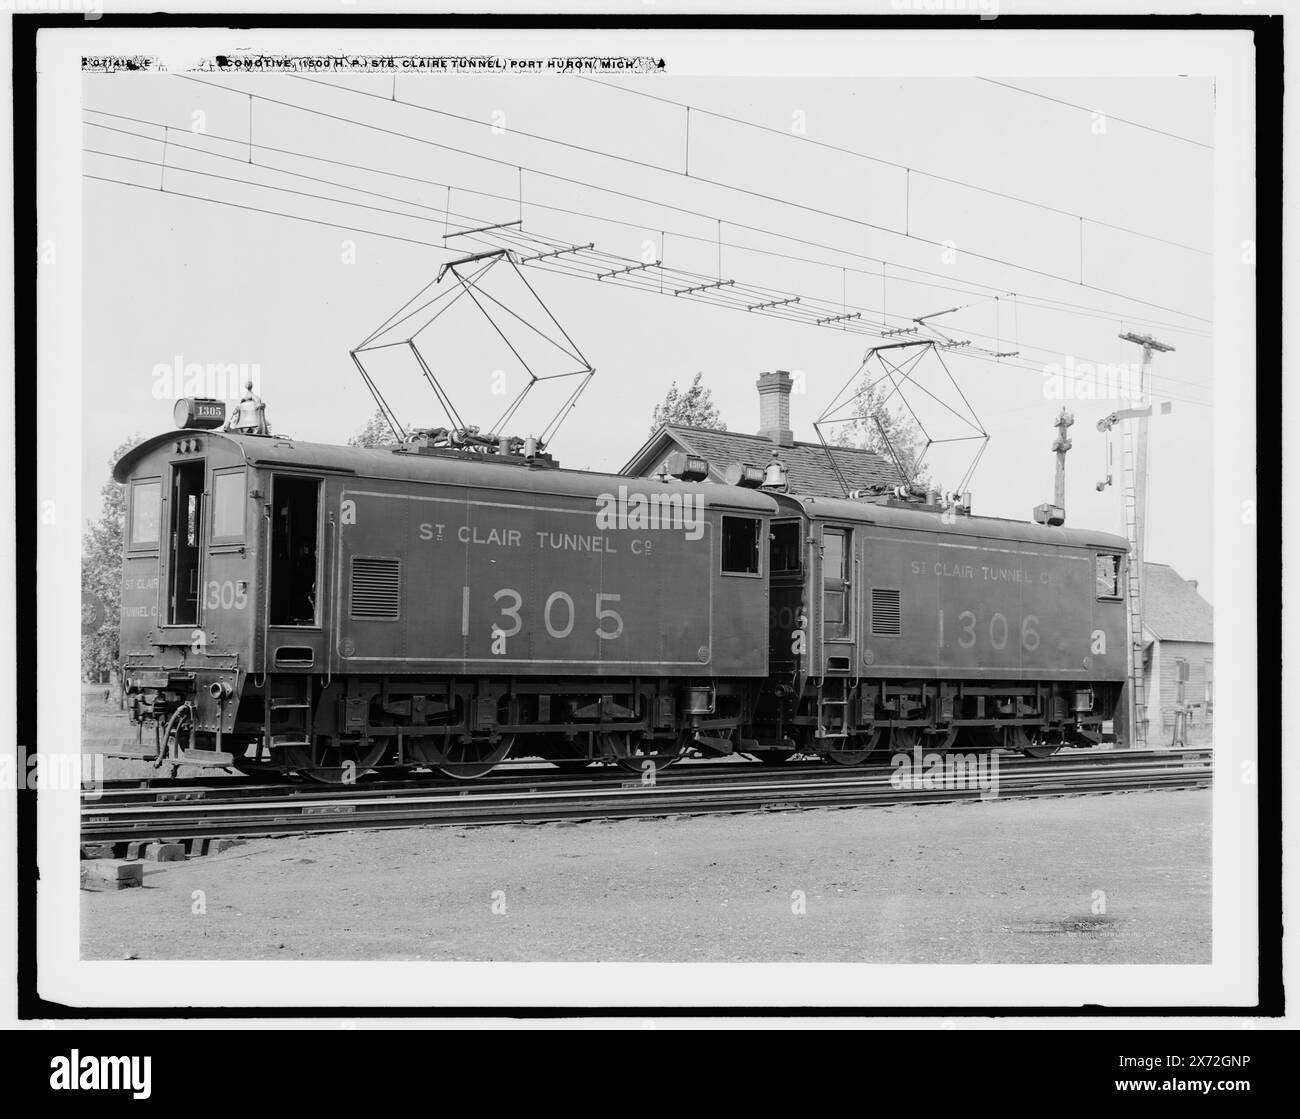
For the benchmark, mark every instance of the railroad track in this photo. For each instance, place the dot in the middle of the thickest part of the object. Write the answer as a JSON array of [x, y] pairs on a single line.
[[194, 809]]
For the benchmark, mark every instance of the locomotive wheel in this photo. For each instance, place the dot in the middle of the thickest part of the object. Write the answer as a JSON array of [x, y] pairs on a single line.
[[904, 740], [630, 750], [341, 761], [1033, 742], [465, 761], [859, 748]]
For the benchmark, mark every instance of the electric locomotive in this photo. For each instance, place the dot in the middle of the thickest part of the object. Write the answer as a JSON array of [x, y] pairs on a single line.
[[442, 605], [330, 611], [920, 622]]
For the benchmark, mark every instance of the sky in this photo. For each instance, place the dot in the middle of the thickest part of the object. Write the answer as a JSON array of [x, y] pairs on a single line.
[[170, 278]]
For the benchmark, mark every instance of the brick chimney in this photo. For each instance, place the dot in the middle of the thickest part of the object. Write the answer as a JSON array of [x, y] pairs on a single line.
[[774, 408]]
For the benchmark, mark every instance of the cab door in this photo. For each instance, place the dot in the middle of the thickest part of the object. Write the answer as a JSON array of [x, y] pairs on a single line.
[[294, 588], [837, 571]]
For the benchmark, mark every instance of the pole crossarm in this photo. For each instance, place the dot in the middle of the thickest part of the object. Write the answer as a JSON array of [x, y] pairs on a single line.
[[629, 268], [704, 287], [556, 252], [483, 229]]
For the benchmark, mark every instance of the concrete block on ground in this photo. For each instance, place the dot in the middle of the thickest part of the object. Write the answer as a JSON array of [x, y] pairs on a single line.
[[219, 845], [165, 852], [111, 874], [97, 851]]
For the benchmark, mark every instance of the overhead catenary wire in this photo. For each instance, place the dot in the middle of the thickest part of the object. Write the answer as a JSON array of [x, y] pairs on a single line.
[[951, 284], [905, 232], [260, 210], [907, 169], [577, 182], [349, 187], [1093, 109], [805, 139], [806, 314]]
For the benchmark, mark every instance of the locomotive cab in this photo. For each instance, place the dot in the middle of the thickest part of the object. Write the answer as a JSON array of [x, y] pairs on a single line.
[[188, 596]]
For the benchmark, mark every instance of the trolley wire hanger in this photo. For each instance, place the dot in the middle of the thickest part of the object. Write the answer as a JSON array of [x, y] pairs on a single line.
[[405, 325]]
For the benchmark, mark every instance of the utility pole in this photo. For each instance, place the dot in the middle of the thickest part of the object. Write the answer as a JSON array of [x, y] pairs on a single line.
[[1135, 518]]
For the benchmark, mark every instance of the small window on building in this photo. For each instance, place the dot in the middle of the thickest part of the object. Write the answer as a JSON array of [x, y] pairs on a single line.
[[740, 545], [1209, 683], [146, 510], [228, 503], [1108, 576], [784, 550]]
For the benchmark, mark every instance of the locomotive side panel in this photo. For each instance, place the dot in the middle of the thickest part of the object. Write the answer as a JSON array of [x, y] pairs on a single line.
[[436, 578], [970, 607]]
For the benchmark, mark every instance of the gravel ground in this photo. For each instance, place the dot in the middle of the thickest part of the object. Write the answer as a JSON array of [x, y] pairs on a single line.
[[1123, 878]]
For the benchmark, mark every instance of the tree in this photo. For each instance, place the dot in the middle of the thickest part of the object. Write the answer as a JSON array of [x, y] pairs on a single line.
[[692, 408], [878, 427], [376, 433], [101, 576]]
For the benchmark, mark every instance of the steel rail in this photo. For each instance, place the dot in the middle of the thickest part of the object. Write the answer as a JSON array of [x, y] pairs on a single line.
[[208, 788], [358, 808]]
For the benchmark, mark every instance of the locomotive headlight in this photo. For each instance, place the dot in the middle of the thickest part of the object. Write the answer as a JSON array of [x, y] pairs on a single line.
[[689, 468], [1083, 701], [744, 474], [200, 412]]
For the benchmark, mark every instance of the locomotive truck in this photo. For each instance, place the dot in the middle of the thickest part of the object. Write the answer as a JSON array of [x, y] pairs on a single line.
[[442, 605]]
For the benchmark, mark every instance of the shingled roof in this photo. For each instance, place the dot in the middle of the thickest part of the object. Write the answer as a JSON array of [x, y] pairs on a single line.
[[1172, 609], [806, 464]]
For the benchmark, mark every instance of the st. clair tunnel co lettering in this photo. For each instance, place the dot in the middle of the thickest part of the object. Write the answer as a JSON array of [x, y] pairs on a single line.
[[141, 583], [543, 540], [989, 573]]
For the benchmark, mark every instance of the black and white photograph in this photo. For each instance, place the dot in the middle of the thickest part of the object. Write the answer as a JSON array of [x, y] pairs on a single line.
[[611, 515]]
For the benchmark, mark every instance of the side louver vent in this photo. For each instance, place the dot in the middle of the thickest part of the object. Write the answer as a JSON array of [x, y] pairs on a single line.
[[885, 613], [376, 588]]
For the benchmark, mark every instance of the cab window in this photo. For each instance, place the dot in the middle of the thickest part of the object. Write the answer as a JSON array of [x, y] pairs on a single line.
[[1108, 576], [228, 505], [784, 549], [146, 509], [740, 545]]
